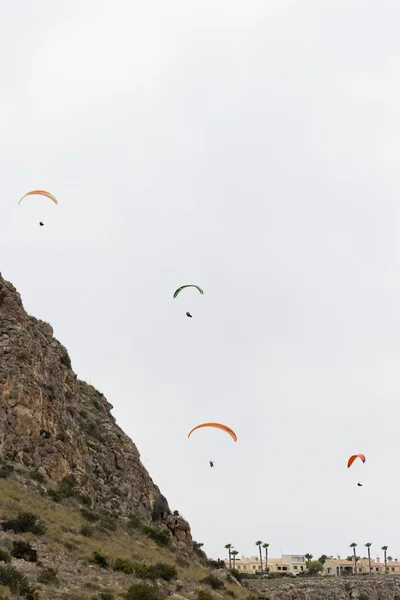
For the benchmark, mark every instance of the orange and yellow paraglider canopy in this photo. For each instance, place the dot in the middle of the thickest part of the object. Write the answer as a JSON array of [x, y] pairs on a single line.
[[353, 458], [41, 193], [218, 426]]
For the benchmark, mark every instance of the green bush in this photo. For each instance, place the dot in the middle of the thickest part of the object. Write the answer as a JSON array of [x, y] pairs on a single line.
[[108, 524], [5, 470], [157, 571], [363, 596], [123, 565], [134, 523], [142, 591], [13, 579], [48, 576], [161, 538], [25, 522], [37, 476], [182, 562], [87, 531], [105, 596], [66, 489], [213, 582], [24, 551], [62, 437], [100, 560], [230, 593], [90, 515], [204, 595], [4, 556], [163, 571]]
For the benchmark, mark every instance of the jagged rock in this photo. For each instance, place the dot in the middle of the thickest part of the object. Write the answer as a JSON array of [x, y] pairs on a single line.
[[39, 392]]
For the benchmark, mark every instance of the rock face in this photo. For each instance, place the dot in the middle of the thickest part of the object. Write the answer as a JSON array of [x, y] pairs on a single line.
[[55, 424], [330, 588]]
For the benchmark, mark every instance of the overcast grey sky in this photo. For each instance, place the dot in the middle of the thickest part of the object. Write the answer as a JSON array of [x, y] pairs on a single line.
[[252, 148]]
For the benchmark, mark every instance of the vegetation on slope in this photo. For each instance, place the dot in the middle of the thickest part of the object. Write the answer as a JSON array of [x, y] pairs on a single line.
[[64, 550]]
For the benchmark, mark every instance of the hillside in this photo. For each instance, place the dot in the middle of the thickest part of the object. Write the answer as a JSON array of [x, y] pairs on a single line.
[[80, 515]]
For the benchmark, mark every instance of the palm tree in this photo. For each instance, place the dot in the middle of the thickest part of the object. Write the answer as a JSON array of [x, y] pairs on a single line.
[[265, 546], [354, 546], [234, 554], [259, 548], [229, 548], [308, 557], [368, 546], [384, 548]]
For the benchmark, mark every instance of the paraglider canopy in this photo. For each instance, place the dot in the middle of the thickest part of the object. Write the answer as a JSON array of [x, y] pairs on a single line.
[[353, 458], [40, 193], [178, 291], [218, 426]]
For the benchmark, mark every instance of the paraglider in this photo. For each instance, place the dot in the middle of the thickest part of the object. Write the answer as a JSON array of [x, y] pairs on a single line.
[[40, 193], [188, 314], [211, 463], [218, 426], [178, 291], [41, 224], [353, 458], [359, 484]]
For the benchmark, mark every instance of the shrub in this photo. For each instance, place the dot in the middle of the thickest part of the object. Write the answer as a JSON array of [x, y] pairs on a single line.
[[213, 582], [161, 538], [37, 476], [48, 576], [24, 550], [66, 489], [25, 522], [13, 579], [134, 522], [204, 595], [363, 596], [200, 553], [83, 414], [123, 565], [230, 593], [87, 531], [89, 515], [182, 562], [216, 564], [176, 513], [163, 571], [62, 437], [142, 591], [100, 560], [5, 470], [157, 571], [92, 429], [108, 524], [106, 596], [4, 556]]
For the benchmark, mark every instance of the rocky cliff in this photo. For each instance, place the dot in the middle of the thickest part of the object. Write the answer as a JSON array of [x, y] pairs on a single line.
[[330, 588], [54, 424]]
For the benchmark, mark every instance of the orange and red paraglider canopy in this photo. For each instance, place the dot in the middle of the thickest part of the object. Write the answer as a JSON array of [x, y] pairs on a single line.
[[40, 193], [218, 426], [353, 458]]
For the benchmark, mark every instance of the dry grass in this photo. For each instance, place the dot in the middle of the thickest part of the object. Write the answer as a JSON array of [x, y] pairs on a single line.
[[63, 543]]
